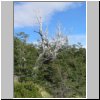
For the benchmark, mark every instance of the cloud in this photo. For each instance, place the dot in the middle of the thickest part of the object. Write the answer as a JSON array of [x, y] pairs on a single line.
[[25, 12], [74, 39]]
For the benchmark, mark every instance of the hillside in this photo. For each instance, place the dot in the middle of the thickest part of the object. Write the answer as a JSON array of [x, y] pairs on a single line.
[[65, 77]]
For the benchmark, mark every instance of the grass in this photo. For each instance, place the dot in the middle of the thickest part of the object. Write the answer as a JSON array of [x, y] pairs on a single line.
[[29, 90]]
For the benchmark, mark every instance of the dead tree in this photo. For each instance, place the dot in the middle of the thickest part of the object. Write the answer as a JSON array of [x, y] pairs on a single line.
[[49, 48]]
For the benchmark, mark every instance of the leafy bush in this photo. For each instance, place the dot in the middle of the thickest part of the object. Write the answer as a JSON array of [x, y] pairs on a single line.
[[26, 90], [64, 77]]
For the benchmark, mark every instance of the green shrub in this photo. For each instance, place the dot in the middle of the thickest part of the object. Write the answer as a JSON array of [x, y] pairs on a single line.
[[26, 90], [64, 77]]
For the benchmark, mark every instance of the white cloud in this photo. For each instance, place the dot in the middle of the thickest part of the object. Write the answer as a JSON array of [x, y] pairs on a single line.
[[25, 13], [74, 39]]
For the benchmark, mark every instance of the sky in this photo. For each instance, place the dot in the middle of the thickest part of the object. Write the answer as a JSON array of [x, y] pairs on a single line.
[[70, 15]]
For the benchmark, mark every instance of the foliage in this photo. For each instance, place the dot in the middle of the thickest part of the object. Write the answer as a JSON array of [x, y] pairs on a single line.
[[65, 77], [26, 90]]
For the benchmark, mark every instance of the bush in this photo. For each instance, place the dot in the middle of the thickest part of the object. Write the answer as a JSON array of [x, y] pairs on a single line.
[[64, 77], [26, 90]]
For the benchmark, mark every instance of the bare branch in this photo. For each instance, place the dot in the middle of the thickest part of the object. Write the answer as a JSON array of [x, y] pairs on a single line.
[[49, 49]]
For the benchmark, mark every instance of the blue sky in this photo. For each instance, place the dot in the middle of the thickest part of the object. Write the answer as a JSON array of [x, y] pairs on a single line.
[[71, 16]]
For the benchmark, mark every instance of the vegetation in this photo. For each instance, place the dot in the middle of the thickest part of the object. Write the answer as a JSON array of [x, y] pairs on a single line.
[[65, 77]]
